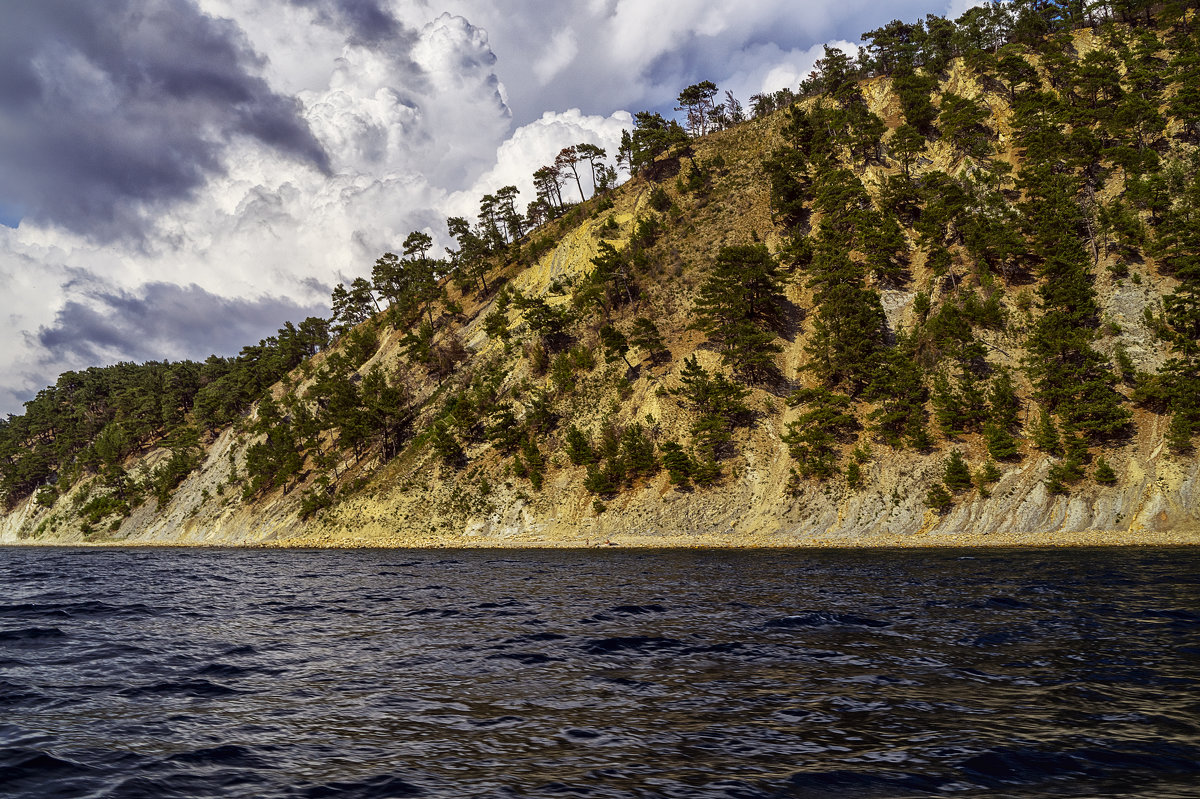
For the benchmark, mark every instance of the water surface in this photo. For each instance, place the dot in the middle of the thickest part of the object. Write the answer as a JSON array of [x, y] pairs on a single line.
[[227, 673]]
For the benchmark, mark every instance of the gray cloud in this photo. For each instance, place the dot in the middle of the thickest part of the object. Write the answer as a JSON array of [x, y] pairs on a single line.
[[161, 320], [112, 110], [367, 20]]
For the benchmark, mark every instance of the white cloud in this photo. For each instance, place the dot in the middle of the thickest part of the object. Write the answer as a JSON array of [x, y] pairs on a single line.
[[956, 8], [534, 145], [562, 50], [767, 68]]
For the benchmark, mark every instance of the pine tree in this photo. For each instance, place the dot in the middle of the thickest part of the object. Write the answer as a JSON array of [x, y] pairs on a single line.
[[637, 452], [1003, 400], [615, 345], [738, 307], [1104, 474], [813, 438], [678, 463], [646, 336], [535, 465], [853, 474], [989, 474], [503, 430], [938, 499], [1045, 435], [848, 327], [602, 481], [948, 407], [956, 476], [1180, 433], [611, 282], [900, 388], [579, 447], [906, 144], [445, 444], [962, 122], [1178, 246], [1071, 378], [1001, 444]]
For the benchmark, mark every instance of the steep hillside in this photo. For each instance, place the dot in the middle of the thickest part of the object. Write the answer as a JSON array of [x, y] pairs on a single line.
[[946, 294]]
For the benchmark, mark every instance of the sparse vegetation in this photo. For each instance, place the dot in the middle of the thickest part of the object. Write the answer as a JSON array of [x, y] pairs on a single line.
[[922, 279]]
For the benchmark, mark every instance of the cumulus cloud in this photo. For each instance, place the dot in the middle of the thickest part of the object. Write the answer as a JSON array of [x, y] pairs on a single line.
[[535, 145], [957, 8], [367, 20], [562, 49]]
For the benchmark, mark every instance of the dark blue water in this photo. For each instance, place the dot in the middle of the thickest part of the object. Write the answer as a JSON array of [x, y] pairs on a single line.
[[185, 673]]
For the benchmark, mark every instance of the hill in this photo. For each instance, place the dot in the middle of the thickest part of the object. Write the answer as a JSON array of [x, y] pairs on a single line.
[[947, 292]]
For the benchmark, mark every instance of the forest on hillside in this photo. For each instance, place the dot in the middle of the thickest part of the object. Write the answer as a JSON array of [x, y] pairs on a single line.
[[1074, 162]]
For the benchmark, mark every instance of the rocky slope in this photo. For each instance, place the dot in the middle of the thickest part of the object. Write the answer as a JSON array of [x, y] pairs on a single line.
[[420, 499]]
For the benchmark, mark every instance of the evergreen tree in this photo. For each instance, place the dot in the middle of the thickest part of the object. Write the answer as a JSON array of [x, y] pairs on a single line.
[[1045, 435], [610, 284], [1001, 444], [962, 121], [678, 463], [652, 136], [813, 438], [637, 453], [535, 465], [579, 447], [900, 388], [739, 305], [719, 406], [646, 336], [445, 444], [938, 499], [948, 407], [956, 476], [1071, 378], [848, 328], [906, 144], [1104, 473], [989, 474]]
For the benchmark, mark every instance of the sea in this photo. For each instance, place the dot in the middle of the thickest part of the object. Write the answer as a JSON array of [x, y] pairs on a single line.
[[599, 673]]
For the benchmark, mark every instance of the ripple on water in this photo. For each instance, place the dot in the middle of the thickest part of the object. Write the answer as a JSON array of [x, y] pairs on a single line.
[[30, 636], [825, 619], [198, 689], [608, 674]]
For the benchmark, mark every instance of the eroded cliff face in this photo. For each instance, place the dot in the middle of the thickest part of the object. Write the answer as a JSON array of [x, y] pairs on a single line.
[[416, 499], [1157, 499]]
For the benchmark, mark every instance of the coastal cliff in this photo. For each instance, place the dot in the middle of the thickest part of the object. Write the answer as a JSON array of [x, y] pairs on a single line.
[[528, 409]]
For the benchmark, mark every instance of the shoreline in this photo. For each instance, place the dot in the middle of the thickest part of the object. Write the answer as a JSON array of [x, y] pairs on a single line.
[[618, 541], [1008, 540]]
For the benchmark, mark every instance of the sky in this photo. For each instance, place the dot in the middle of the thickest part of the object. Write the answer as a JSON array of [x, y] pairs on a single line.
[[181, 177]]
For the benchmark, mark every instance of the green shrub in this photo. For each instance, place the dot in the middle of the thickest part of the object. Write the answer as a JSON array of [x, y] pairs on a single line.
[[46, 496], [659, 200], [938, 498], [105, 505], [313, 501]]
